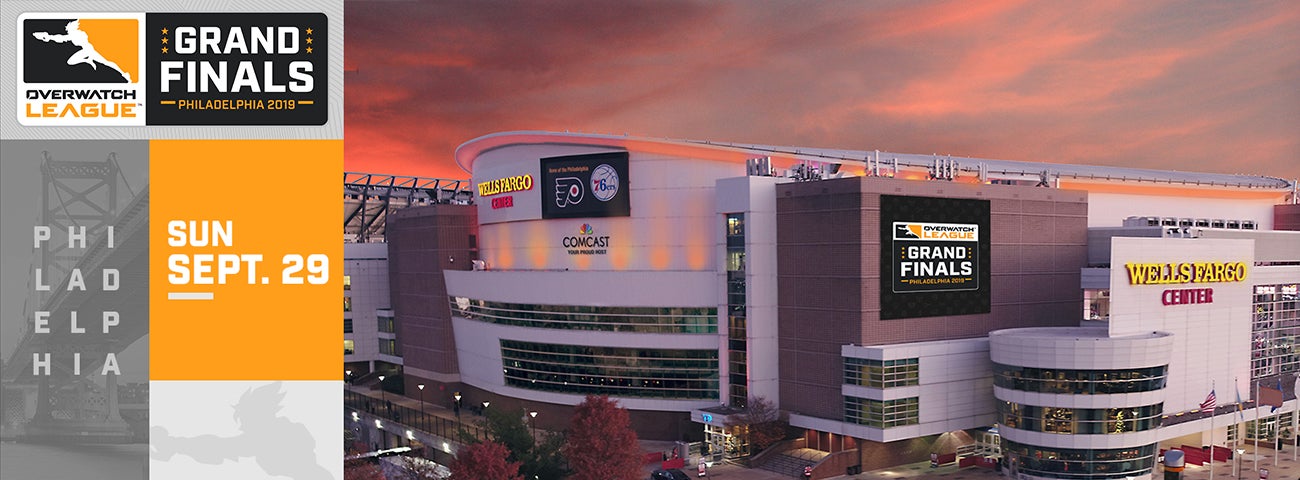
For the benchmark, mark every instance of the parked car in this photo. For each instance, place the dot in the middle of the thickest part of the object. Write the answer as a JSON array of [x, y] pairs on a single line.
[[670, 474]]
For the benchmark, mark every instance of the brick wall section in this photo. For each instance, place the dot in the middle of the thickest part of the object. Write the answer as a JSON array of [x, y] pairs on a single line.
[[422, 242], [1286, 217], [828, 241]]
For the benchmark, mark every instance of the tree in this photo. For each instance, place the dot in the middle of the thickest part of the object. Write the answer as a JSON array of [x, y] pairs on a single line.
[[602, 445], [763, 422], [506, 426], [484, 461], [547, 460], [537, 459]]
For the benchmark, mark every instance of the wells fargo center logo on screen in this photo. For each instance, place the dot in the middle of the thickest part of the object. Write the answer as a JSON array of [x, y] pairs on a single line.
[[130, 69]]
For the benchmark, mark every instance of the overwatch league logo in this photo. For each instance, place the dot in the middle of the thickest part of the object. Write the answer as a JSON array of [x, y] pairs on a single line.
[[80, 69], [935, 256]]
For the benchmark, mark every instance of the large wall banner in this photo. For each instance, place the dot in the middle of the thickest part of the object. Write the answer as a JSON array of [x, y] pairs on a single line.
[[934, 256], [580, 186]]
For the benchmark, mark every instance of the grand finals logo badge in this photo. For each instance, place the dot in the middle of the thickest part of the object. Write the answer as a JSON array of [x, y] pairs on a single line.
[[80, 69], [116, 69]]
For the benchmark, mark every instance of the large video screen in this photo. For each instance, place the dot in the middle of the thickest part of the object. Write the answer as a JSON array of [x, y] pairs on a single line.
[[580, 186], [934, 256]]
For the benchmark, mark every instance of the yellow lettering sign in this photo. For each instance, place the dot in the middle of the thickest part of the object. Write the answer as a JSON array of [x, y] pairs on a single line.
[[1188, 272]]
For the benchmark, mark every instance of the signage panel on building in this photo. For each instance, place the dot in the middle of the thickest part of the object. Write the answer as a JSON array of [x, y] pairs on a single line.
[[580, 186], [934, 256]]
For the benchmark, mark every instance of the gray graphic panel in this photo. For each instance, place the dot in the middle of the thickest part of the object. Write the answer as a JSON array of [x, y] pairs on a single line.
[[74, 298]]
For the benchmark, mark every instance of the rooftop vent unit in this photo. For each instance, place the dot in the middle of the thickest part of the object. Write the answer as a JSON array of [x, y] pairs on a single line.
[[759, 167]]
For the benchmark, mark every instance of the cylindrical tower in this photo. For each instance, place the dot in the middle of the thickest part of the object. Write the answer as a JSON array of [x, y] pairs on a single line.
[[1074, 403]]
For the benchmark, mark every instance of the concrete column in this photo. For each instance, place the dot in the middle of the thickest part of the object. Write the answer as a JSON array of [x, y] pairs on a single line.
[[43, 399], [110, 390]]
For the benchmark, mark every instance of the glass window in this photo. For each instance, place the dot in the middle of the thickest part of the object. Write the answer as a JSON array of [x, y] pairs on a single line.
[[347, 325], [616, 319], [1078, 463], [621, 372], [348, 347], [1080, 421], [882, 374], [1079, 382], [1275, 330], [882, 414], [388, 346], [387, 324], [347, 282], [347, 303]]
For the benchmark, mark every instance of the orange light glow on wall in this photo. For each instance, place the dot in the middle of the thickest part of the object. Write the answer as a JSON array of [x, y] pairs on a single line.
[[620, 251], [1173, 190], [503, 256], [537, 244]]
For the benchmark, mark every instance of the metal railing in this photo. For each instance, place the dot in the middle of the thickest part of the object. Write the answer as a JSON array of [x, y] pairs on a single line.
[[448, 428]]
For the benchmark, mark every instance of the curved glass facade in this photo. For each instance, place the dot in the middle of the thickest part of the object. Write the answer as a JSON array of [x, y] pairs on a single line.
[[1080, 382], [612, 319], [621, 372], [1080, 421], [1080, 463]]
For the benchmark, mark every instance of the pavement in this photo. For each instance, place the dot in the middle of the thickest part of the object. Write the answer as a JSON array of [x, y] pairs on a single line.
[[1287, 468]]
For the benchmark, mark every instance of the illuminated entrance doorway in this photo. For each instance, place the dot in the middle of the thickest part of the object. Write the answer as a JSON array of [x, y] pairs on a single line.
[[725, 443]]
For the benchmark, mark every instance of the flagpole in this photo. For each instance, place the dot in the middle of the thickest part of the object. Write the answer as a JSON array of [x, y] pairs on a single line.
[[1236, 430], [1255, 460], [1212, 409]]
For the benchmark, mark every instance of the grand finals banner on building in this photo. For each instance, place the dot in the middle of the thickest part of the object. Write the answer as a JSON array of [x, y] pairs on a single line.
[[158, 302], [934, 257]]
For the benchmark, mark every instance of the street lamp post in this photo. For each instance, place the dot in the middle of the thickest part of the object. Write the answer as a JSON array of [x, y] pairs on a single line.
[[348, 375], [382, 395], [421, 387], [1237, 460], [485, 405], [533, 421], [456, 406]]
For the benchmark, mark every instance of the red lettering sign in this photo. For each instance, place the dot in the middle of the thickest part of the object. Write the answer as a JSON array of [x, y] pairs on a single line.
[[1187, 296], [503, 202]]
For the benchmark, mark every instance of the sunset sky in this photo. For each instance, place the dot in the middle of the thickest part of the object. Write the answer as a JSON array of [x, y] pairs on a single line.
[[1203, 86]]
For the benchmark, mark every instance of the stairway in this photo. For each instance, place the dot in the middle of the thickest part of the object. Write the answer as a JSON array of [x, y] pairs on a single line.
[[791, 463]]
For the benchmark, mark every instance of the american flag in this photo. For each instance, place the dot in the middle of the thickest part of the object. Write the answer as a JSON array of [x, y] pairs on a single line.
[[1210, 401]]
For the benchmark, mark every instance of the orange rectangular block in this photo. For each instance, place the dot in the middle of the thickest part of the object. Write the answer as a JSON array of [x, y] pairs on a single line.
[[245, 260]]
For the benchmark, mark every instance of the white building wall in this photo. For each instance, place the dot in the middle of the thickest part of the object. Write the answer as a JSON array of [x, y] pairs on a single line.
[[756, 198], [954, 391], [1212, 344], [1086, 348], [367, 266], [616, 289], [671, 226], [1110, 209], [478, 349], [478, 344]]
